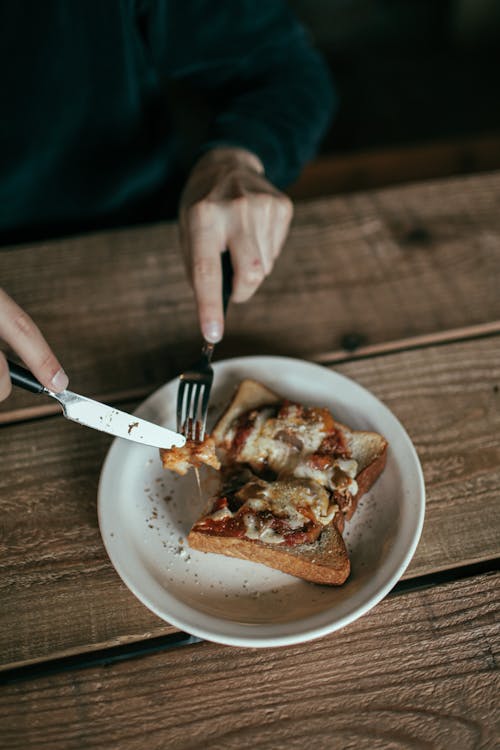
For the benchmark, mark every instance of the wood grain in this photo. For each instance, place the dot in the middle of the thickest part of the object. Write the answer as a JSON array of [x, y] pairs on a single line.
[[363, 170], [448, 399], [60, 594], [58, 589], [418, 671], [362, 269]]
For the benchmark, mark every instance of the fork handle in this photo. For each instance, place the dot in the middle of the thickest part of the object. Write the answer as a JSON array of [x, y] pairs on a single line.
[[227, 279]]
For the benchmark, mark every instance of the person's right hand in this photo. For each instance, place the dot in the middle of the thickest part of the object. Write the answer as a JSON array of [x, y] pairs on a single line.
[[19, 331]]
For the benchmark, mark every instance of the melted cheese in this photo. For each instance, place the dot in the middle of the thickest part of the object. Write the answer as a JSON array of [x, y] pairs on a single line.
[[289, 445], [303, 435], [294, 501], [221, 513], [263, 532], [339, 477], [192, 454], [285, 445]]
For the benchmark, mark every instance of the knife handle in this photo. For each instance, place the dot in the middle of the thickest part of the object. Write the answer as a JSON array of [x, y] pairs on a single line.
[[24, 378], [227, 279]]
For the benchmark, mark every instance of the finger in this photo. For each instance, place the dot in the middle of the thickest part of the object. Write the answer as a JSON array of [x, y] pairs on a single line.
[[25, 338], [205, 238], [5, 382], [281, 224], [263, 230], [249, 266], [259, 229]]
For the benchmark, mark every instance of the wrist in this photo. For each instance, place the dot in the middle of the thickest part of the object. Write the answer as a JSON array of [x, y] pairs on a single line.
[[232, 157]]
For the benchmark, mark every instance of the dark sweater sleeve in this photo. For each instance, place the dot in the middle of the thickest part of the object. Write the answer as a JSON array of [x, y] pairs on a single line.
[[274, 91]]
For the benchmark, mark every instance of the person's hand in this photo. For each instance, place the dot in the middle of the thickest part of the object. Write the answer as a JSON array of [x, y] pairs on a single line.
[[19, 331], [228, 203]]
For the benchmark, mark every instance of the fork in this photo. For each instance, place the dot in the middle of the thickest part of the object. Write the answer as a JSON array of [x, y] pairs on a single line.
[[195, 383]]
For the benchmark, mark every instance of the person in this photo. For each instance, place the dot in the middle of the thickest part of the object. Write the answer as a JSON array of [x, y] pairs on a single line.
[[90, 136]]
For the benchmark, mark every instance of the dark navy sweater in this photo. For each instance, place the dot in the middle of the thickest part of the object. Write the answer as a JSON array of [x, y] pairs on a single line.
[[90, 135]]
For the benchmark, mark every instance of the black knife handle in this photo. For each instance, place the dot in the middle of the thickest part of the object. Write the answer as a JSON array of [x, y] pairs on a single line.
[[23, 378], [227, 279]]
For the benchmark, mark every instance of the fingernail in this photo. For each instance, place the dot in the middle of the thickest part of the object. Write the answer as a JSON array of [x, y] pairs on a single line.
[[212, 331], [60, 381]]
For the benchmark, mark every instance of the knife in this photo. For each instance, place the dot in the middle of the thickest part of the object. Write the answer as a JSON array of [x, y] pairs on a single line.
[[99, 416]]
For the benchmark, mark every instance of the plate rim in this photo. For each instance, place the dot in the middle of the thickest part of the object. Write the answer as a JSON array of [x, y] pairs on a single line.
[[263, 641]]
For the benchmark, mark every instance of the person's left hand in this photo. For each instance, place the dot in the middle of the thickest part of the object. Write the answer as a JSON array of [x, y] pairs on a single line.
[[227, 203]]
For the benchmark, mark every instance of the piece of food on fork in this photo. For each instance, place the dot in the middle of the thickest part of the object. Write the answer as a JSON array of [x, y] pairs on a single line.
[[291, 476], [193, 454], [193, 396]]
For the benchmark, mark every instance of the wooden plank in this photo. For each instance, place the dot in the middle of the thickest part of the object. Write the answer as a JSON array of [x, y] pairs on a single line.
[[448, 399], [413, 342], [420, 670], [363, 269], [58, 589], [331, 174], [60, 594]]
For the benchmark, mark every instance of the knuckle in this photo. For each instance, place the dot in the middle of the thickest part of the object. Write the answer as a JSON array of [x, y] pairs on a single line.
[[200, 214], [264, 200], [254, 274], [23, 324], [285, 206], [205, 268], [259, 203], [48, 364], [239, 204], [268, 267]]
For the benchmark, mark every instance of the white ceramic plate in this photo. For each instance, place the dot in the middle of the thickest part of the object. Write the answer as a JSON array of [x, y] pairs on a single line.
[[145, 514]]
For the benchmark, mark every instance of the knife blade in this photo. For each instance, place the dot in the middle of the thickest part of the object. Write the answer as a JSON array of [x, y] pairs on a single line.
[[100, 416]]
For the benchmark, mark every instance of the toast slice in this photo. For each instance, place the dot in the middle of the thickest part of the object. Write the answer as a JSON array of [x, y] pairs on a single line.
[[323, 561], [294, 475]]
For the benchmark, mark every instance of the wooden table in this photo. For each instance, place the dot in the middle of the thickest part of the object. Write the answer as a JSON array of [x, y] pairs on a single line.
[[399, 290]]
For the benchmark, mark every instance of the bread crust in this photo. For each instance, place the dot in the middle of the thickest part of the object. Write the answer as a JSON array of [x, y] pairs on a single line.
[[372, 469], [325, 561]]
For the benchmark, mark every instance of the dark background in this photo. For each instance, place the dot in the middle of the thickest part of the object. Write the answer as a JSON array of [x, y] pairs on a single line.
[[408, 71]]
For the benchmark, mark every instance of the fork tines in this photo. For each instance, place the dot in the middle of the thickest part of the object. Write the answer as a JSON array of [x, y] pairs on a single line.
[[192, 407], [193, 395]]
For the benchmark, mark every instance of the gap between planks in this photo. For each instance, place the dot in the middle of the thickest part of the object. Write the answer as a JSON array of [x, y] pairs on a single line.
[[112, 654], [439, 338], [467, 333]]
